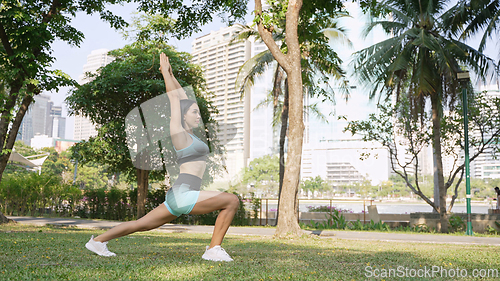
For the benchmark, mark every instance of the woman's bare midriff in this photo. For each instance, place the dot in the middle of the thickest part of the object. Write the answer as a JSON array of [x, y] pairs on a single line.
[[195, 168]]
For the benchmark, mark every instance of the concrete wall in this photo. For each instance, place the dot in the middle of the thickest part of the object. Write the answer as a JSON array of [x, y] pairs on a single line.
[[306, 217], [355, 216], [479, 221]]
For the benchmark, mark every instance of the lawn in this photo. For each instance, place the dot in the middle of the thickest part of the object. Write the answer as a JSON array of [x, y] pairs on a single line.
[[58, 253]]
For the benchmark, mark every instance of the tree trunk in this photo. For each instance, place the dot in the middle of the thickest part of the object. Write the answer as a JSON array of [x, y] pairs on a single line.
[[438, 165], [284, 127], [287, 221], [142, 192], [4, 219], [8, 132]]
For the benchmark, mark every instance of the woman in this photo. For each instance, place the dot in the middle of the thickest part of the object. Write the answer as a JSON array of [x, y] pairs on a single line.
[[185, 196]]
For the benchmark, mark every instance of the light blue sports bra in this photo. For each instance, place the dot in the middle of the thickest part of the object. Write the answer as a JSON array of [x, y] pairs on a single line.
[[197, 151]]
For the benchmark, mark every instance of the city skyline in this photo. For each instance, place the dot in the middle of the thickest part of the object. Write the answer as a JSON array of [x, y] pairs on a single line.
[[70, 59], [357, 107]]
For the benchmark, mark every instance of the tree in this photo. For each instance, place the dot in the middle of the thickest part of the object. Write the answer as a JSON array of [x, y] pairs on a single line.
[[402, 134], [57, 163], [291, 13], [28, 29], [320, 63], [262, 173], [315, 184], [119, 87], [420, 60]]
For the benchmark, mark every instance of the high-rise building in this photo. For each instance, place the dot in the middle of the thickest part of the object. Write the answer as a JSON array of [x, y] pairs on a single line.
[[264, 139], [221, 60], [84, 128], [37, 120], [487, 164], [58, 123]]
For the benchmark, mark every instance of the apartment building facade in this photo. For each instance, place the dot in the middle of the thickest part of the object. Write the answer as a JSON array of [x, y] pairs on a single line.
[[83, 127], [244, 130]]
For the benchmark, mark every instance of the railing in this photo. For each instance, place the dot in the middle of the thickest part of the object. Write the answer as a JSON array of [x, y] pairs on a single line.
[[331, 200]]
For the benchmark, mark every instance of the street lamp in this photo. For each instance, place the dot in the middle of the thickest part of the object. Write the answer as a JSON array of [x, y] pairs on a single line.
[[464, 78]]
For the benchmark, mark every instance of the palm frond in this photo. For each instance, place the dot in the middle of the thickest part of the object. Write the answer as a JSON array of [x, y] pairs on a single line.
[[493, 26], [243, 32], [390, 27], [481, 64], [337, 35], [255, 66], [397, 10], [313, 108]]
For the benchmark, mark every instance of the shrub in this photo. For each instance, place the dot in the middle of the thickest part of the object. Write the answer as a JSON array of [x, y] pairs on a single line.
[[23, 193], [327, 209], [456, 223]]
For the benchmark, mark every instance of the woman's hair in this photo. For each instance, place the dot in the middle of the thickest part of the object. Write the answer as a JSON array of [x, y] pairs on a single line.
[[185, 105]]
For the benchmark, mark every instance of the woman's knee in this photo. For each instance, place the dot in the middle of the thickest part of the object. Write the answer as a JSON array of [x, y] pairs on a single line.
[[234, 201]]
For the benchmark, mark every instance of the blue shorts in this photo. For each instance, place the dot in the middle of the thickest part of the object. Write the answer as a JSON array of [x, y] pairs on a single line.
[[181, 198]]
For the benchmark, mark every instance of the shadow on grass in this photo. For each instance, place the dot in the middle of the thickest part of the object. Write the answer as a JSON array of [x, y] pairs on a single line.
[[58, 253]]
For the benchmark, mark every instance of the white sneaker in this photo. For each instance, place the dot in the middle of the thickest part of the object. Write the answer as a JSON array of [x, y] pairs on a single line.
[[99, 248], [216, 254]]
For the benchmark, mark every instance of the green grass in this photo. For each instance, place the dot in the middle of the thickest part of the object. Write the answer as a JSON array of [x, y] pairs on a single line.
[[58, 253]]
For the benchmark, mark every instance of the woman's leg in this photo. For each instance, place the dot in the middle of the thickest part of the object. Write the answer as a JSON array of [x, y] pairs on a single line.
[[209, 201], [158, 217]]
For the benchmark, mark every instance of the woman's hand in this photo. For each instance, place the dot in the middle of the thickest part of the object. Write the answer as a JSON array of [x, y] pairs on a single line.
[[165, 67]]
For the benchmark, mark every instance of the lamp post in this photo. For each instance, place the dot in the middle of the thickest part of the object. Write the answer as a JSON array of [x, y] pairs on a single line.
[[464, 78]]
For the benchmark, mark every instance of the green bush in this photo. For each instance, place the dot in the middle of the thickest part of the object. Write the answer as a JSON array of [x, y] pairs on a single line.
[[116, 204], [256, 204], [327, 209], [25, 193], [456, 223], [336, 220]]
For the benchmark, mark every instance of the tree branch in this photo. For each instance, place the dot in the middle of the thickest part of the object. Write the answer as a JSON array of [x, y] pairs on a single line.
[[8, 49], [292, 23], [5, 41], [52, 12], [408, 183], [28, 98], [456, 192], [5, 117], [7, 148], [267, 37]]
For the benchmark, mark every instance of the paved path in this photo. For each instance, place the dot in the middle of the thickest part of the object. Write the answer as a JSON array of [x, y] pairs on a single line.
[[269, 231]]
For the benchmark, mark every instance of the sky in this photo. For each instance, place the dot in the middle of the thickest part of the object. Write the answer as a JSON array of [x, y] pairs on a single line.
[[99, 35]]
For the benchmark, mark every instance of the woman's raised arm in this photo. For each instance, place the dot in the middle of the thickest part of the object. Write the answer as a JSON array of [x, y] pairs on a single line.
[[175, 94], [171, 84]]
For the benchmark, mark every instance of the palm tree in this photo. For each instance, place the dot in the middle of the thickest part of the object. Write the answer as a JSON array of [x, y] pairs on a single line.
[[319, 63], [420, 60], [476, 15]]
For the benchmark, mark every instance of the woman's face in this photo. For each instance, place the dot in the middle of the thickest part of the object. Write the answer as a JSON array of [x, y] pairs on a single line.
[[192, 116]]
